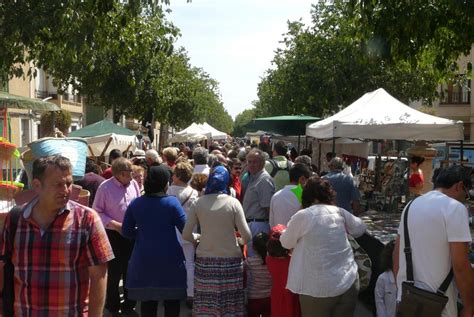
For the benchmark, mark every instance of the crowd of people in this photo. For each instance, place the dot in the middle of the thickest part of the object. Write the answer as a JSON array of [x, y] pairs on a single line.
[[232, 230]]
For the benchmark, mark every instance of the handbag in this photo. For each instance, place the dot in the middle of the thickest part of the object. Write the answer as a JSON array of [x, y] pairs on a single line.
[[418, 302], [8, 293], [364, 264]]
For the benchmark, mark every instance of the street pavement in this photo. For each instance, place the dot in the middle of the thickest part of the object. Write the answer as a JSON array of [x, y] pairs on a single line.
[[361, 311]]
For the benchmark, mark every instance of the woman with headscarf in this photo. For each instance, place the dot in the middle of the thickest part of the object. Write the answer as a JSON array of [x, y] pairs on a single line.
[[218, 282], [157, 269]]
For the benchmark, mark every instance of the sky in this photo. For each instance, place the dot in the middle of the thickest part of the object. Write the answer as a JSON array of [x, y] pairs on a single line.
[[234, 40]]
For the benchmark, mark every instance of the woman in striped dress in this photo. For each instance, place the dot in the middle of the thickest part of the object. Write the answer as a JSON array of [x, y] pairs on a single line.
[[218, 282]]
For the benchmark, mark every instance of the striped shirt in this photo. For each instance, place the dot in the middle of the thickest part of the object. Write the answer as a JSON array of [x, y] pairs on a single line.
[[51, 266], [259, 280]]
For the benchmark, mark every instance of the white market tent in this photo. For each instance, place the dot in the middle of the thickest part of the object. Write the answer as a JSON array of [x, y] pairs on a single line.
[[197, 132], [102, 144], [378, 115]]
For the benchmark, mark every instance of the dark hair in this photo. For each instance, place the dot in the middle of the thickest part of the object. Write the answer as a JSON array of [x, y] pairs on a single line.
[[259, 244], [306, 152], [298, 170], [141, 162], [56, 161], [386, 257], [91, 166], [330, 155], [280, 148], [275, 249], [317, 188], [293, 154], [114, 154], [451, 175], [233, 162], [417, 160]]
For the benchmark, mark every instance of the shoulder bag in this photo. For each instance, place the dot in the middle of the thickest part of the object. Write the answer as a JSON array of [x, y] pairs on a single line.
[[418, 302]]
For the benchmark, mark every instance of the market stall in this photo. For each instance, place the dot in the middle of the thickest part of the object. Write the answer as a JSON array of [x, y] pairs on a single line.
[[103, 136], [198, 132], [379, 116]]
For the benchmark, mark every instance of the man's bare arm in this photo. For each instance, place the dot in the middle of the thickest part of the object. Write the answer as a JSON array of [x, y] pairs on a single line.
[[463, 275], [98, 286]]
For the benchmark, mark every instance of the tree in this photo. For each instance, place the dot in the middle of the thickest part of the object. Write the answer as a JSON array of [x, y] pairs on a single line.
[[325, 67], [242, 120], [416, 31], [118, 56], [59, 119]]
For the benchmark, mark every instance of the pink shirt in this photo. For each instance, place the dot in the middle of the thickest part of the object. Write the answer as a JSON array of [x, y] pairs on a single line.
[[112, 199]]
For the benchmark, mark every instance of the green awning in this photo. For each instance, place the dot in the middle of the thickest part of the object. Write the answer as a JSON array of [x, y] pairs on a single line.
[[20, 102], [284, 125], [100, 128]]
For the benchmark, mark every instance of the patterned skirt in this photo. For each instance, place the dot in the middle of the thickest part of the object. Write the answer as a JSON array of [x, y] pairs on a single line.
[[218, 287]]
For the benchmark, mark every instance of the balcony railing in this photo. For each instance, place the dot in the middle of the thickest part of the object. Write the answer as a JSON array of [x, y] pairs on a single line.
[[72, 98], [41, 94], [456, 97]]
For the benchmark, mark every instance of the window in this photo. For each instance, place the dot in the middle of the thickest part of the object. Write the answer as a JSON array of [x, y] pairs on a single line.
[[25, 132], [456, 93]]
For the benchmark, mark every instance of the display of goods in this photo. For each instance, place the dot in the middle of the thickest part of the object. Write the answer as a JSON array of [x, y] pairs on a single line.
[[382, 225], [8, 189], [75, 149], [6, 149]]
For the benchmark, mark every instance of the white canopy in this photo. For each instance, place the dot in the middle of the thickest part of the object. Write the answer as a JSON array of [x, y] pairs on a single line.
[[117, 141], [378, 115], [197, 131]]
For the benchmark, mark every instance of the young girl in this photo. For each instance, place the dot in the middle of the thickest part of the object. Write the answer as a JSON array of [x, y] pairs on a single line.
[[259, 281], [284, 302], [386, 288]]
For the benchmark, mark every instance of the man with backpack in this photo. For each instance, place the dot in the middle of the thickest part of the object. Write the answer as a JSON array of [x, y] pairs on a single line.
[[279, 166]]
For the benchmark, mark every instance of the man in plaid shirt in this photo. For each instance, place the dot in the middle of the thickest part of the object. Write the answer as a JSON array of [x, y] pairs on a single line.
[[60, 250]]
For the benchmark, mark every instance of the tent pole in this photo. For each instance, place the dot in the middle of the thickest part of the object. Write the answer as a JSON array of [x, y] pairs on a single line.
[[299, 140], [334, 146]]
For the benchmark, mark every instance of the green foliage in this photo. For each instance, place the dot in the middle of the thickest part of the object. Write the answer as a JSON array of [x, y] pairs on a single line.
[[62, 121], [116, 55], [242, 120], [416, 31], [326, 66]]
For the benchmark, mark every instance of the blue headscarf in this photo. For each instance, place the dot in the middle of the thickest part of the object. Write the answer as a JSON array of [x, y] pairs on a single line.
[[218, 181]]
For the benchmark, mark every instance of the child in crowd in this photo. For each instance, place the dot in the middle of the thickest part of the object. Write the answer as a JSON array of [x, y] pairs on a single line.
[[284, 302], [259, 281], [386, 288]]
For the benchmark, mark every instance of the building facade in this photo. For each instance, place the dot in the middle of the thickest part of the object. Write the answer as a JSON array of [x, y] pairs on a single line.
[[25, 124], [456, 100]]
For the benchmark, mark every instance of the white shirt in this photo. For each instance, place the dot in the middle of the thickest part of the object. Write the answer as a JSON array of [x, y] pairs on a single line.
[[187, 197], [386, 295], [201, 169], [434, 221], [322, 263], [283, 205]]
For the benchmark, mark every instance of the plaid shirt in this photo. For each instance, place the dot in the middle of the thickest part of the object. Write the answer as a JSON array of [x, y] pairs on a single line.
[[51, 266]]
